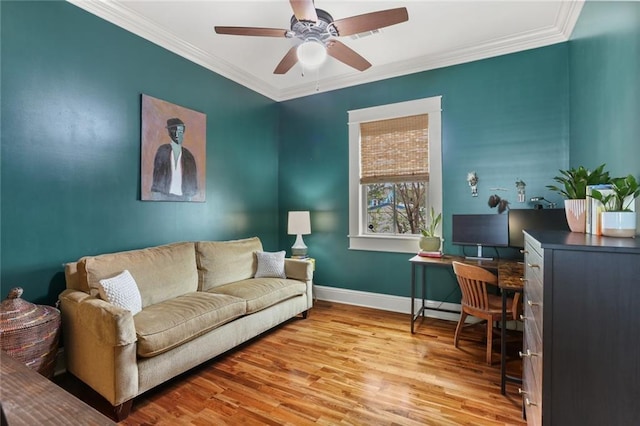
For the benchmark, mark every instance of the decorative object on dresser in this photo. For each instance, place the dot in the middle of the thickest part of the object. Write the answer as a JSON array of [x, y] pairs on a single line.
[[581, 341], [299, 224], [573, 187], [478, 302], [29, 333], [618, 218]]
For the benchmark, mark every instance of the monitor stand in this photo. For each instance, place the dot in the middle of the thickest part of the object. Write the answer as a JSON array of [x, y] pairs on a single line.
[[479, 256]]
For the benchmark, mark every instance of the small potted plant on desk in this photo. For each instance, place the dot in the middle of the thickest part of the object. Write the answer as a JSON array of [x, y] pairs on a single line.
[[574, 189], [429, 242], [618, 217]]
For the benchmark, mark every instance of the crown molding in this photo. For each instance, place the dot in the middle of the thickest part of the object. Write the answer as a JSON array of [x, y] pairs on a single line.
[[127, 19]]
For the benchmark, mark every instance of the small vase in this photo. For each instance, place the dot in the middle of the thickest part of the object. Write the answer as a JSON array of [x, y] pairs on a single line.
[[576, 214], [619, 224], [430, 243]]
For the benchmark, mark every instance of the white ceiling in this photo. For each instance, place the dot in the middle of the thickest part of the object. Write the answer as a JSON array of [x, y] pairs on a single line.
[[438, 34]]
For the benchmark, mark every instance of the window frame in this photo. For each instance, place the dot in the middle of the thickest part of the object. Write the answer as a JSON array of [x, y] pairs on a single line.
[[359, 239]]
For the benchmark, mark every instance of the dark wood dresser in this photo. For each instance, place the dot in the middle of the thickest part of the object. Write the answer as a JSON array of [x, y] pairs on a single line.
[[581, 353]]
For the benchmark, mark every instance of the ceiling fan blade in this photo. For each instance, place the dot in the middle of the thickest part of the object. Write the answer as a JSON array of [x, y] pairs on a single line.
[[289, 60], [345, 54], [252, 31], [304, 10], [370, 21]]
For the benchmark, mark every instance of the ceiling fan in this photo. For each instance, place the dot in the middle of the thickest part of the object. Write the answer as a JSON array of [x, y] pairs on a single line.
[[317, 30]]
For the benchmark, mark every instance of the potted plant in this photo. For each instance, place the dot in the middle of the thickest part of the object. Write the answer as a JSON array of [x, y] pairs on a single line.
[[429, 241], [618, 218], [574, 190]]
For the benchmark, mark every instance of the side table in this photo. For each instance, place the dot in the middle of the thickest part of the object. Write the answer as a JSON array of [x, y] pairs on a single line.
[[313, 265]]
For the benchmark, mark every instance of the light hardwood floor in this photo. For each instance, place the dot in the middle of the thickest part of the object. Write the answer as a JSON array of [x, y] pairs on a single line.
[[343, 365]]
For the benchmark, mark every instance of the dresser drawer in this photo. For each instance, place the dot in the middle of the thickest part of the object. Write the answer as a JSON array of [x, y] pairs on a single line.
[[532, 374], [532, 306], [533, 266], [532, 347], [531, 393]]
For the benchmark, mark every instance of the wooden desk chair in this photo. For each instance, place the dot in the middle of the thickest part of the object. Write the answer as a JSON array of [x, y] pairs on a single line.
[[477, 302]]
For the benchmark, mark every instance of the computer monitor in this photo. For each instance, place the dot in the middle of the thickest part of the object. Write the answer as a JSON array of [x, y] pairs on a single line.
[[480, 230], [534, 219]]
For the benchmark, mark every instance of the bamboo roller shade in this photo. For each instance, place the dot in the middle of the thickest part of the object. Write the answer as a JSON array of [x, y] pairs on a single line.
[[395, 150]]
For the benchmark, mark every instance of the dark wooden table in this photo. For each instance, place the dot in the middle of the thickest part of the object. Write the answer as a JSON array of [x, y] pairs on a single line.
[[28, 398]]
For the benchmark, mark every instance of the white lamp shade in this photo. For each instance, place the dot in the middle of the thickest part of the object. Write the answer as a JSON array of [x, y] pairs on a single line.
[[299, 223], [311, 53]]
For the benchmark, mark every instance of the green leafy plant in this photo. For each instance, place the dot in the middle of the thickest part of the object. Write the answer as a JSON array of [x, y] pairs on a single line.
[[625, 190], [575, 181], [434, 221]]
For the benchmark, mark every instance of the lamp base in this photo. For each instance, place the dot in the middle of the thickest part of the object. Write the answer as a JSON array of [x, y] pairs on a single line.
[[299, 248]]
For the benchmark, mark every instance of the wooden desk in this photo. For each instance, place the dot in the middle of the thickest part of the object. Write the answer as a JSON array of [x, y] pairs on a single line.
[[28, 398], [510, 273], [509, 277]]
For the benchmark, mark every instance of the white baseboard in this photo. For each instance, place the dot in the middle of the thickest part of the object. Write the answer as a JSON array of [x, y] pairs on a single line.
[[385, 302], [399, 304]]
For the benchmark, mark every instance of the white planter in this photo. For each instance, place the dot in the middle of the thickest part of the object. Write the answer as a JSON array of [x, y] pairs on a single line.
[[619, 224], [576, 214]]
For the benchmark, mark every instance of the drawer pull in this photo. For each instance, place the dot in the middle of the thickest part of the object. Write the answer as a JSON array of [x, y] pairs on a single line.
[[524, 280], [527, 354], [530, 303], [528, 403], [523, 318], [523, 251], [533, 265], [521, 392]]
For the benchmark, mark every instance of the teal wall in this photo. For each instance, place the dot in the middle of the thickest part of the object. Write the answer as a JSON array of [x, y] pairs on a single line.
[[70, 165], [604, 58], [506, 118]]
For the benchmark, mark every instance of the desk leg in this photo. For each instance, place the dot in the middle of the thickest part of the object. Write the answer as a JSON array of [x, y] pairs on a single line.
[[413, 294], [503, 344], [424, 291]]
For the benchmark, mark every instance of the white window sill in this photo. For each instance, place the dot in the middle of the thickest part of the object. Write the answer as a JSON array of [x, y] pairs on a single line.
[[394, 244]]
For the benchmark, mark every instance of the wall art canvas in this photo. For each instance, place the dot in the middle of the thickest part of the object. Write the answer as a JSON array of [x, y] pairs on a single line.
[[173, 152]]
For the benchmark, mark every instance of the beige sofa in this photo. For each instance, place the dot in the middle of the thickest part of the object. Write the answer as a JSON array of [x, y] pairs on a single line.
[[199, 299]]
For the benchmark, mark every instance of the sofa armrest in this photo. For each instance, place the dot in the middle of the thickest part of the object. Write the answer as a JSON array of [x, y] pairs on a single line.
[[111, 325], [100, 345], [298, 269]]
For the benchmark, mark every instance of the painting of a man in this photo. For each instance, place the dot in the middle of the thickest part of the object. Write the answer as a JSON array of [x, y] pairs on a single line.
[[175, 173], [173, 152]]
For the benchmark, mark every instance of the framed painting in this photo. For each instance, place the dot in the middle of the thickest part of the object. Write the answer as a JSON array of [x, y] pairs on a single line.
[[173, 152]]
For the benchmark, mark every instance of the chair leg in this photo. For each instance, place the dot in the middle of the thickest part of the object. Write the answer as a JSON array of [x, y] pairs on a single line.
[[463, 316], [489, 340]]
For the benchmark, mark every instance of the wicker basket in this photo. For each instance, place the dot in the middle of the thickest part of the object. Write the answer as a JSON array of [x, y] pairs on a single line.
[[29, 333]]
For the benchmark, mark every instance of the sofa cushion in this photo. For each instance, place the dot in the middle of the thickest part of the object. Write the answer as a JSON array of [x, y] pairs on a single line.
[[260, 293], [223, 262], [270, 265], [121, 291], [161, 272], [168, 324]]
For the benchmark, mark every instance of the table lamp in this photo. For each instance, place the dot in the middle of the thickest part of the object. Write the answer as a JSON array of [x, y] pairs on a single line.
[[299, 224]]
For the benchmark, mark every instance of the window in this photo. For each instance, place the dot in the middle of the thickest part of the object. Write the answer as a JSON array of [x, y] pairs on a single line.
[[395, 173]]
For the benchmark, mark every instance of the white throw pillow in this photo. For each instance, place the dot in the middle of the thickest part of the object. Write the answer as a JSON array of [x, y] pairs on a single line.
[[270, 265], [121, 291]]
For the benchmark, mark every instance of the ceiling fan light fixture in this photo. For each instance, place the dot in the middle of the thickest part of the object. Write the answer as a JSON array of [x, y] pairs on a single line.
[[311, 53]]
